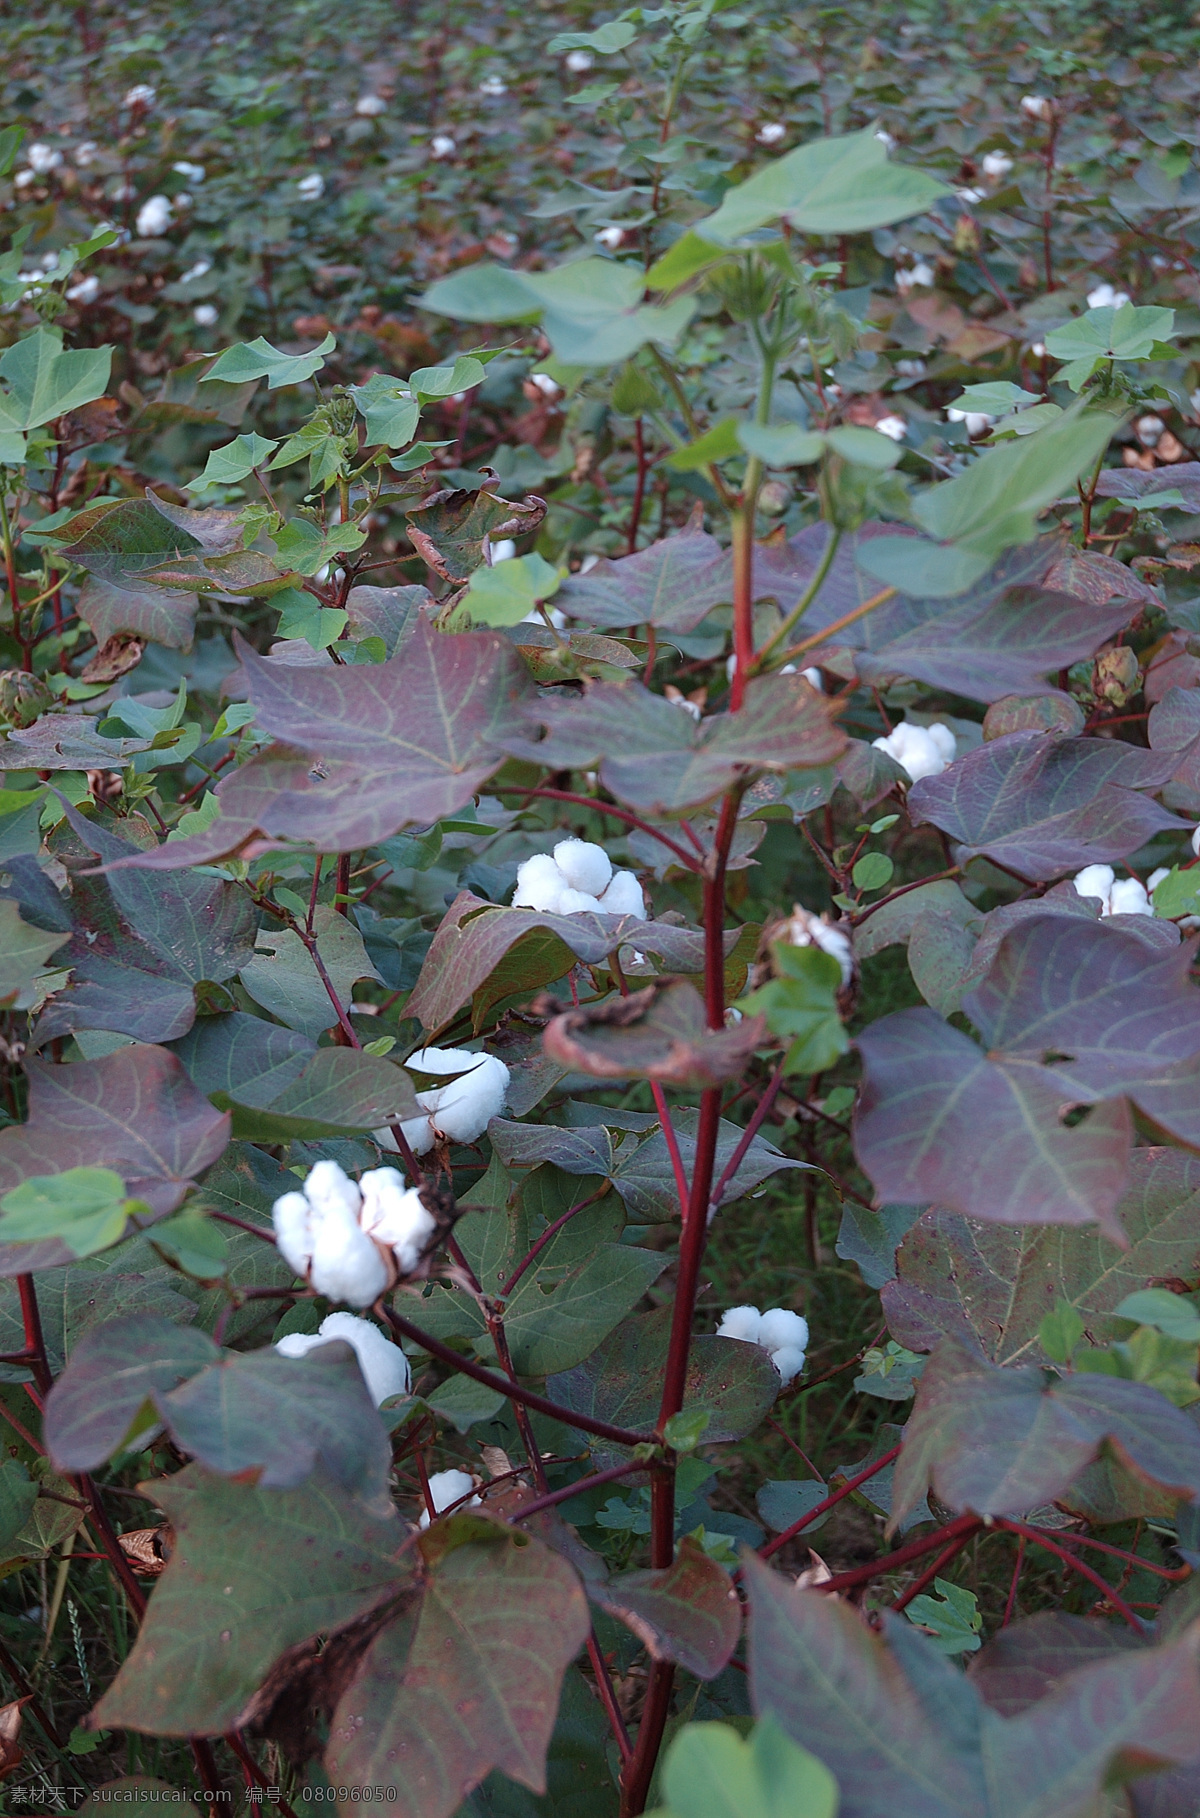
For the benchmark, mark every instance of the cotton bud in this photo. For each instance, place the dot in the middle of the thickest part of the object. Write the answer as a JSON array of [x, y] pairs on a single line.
[[1106, 297], [459, 1111], [86, 291], [742, 1323], [442, 145], [395, 1215], [191, 173], [996, 164], [579, 60], [370, 105], [921, 273], [140, 95], [771, 132], [204, 315], [895, 428], [447, 1488], [384, 1366], [312, 187], [154, 217], [43, 158], [921, 750], [804, 929], [611, 237], [1037, 107], [978, 422]]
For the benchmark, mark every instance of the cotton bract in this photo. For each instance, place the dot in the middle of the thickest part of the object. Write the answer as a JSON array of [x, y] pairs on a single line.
[[384, 1366], [459, 1111], [779, 1331], [447, 1488], [578, 877], [921, 750]]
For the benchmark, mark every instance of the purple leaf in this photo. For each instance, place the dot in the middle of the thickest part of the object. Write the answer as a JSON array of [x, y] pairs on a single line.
[[688, 1612], [672, 584]]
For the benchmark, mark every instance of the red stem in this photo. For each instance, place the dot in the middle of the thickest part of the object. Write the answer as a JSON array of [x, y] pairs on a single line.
[[878, 1464], [1077, 1565], [639, 491], [927, 1577], [608, 1698], [548, 1233], [577, 1488], [748, 1135], [1011, 1604], [672, 1142], [35, 1343], [616, 814], [964, 1527]]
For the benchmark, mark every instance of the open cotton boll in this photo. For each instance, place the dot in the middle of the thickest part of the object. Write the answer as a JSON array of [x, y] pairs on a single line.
[[584, 865], [921, 750], [624, 896], [394, 1214], [329, 1188], [771, 132], [1129, 897], [578, 902], [442, 145], [976, 420], [86, 291], [781, 1327], [345, 1264], [154, 217], [204, 315], [804, 929], [43, 158], [312, 187], [370, 105], [996, 164], [1096, 881], [1037, 107], [1106, 296], [894, 428], [385, 1368], [461, 1109], [1156, 878], [292, 1217], [540, 884], [445, 1489], [789, 1362], [741, 1323]]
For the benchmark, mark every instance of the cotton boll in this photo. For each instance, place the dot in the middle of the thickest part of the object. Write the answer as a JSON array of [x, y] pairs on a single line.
[[584, 865], [394, 1214], [445, 1489], [578, 902], [85, 153], [1096, 881], [813, 677], [329, 1189], [503, 551], [345, 1265], [943, 739], [611, 237], [442, 145], [540, 884], [140, 95], [292, 1217], [1037, 107], [885, 139], [1156, 878], [624, 896], [461, 1110], [200, 269], [43, 158], [895, 428], [384, 1366], [920, 273], [1106, 297], [417, 1132], [86, 291], [916, 750], [204, 315], [154, 217], [312, 187], [495, 86], [771, 132], [1128, 897], [996, 164], [782, 1327], [969, 196], [579, 60], [191, 173], [550, 388], [977, 421], [1149, 430], [370, 105], [789, 1362], [742, 1323]]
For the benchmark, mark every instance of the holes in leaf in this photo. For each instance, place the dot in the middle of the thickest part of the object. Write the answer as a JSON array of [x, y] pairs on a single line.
[[1053, 1058], [1071, 1116]]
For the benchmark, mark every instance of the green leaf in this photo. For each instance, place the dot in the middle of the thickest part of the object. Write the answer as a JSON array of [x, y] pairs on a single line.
[[508, 592], [305, 547], [1127, 333], [830, 186], [389, 410], [17, 1497], [954, 1616], [617, 35], [689, 255], [1178, 894], [873, 871], [196, 1244], [430, 382], [716, 444], [712, 1772], [1172, 1314], [42, 382], [591, 308], [782, 444], [684, 1431], [1060, 1332], [864, 447], [996, 502], [254, 1572], [687, 1612], [995, 399], [86, 1207], [24, 949], [301, 615], [284, 980], [257, 359], [225, 466], [800, 1006]]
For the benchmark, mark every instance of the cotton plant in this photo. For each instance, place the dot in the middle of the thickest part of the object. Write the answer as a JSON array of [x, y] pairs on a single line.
[[780, 1332], [920, 750], [386, 1370], [577, 877], [461, 1110], [350, 1239]]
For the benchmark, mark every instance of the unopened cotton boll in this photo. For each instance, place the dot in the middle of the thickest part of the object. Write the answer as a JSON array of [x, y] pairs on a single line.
[[447, 1488], [204, 315], [1037, 107], [1105, 296], [741, 1323], [191, 173], [370, 105], [789, 1362], [921, 750], [395, 1215], [780, 1327], [442, 145], [43, 158], [804, 929], [154, 217], [1096, 881], [771, 132], [895, 428], [384, 1366], [540, 884], [611, 237], [86, 291], [585, 865], [624, 896], [996, 164], [579, 60], [1129, 897]]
